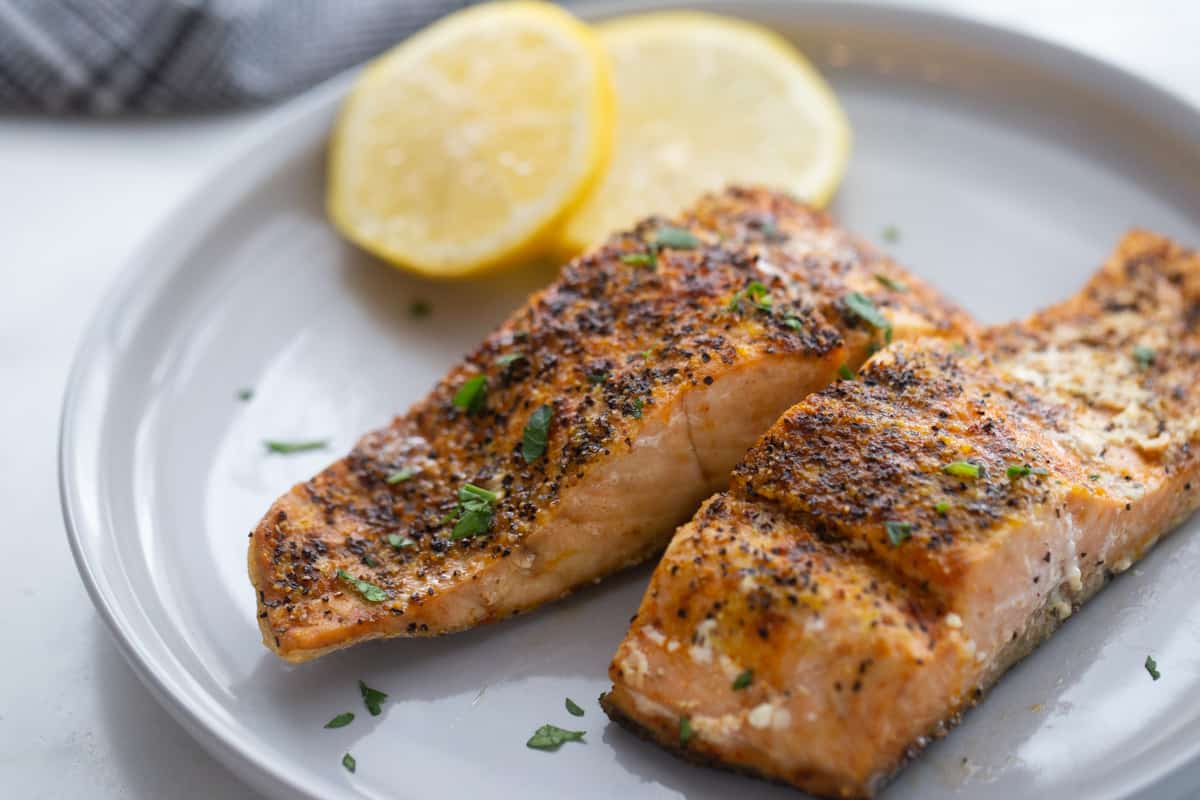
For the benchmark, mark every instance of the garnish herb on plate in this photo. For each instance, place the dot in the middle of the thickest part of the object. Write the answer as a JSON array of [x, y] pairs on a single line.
[[891, 283], [636, 411], [471, 394], [372, 698], [686, 732], [420, 309], [1152, 668], [743, 679], [756, 294], [401, 475], [509, 358], [1143, 355], [676, 238], [793, 322], [400, 542], [1021, 470], [891, 234], [349, 763], [573, 708], [963, 469], [597, 378], [647, 259], [862, 307], [845, 373], [245, 395], [340, 721], [474, 511], [898, 532], [942, 507], [369, 591], [551, 737], [537, 431], [287, 448]]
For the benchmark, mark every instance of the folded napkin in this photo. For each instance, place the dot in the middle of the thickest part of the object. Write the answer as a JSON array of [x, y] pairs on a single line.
[[112, 56]]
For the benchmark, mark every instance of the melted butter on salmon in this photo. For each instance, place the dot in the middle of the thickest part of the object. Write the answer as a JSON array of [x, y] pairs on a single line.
[[871, 593], [662, 356]]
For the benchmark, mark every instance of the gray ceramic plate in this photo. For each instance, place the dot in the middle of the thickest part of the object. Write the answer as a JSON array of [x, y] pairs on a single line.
[[1008, 165]]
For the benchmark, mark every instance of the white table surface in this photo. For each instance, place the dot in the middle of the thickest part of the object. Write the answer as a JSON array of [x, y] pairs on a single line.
[[76, 198]]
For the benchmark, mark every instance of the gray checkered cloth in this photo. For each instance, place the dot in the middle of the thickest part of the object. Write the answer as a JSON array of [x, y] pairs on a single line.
[[113, 56]]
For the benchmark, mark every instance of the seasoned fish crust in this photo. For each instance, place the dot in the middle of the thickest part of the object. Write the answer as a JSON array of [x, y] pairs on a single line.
[[660, 358], [891, 546]]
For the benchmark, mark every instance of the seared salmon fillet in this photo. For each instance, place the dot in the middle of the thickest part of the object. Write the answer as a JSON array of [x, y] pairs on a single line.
[[892, 545], [578, 435]]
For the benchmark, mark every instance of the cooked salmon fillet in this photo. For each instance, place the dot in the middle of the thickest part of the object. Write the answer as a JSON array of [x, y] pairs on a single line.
[[892, 545], [578, 435]]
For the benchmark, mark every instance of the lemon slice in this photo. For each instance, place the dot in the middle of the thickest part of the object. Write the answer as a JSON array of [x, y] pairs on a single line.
[[461, 149], [704, 101]]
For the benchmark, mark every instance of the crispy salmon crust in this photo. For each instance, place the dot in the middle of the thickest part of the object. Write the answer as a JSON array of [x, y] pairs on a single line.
[[891, 546], [659, 359]]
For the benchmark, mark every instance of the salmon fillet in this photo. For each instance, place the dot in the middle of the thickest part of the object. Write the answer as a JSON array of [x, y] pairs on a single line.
[[891, 546], [578, 435]]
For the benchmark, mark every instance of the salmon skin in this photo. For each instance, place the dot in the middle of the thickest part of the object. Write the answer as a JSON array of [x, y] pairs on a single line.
[[891, 546], [579, 434]]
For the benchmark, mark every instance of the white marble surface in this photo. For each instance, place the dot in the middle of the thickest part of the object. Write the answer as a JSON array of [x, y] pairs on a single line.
[[76, 198]]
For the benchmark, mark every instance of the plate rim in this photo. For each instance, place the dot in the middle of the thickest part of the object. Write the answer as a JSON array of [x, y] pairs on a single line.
[[228, 181]]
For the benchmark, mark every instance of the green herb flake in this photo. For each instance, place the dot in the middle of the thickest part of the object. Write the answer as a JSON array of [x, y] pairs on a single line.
[[891, 234], [942, 507], [1022, 470], [686, 732], [509, 359], [793, 322], [647, 259], [898, 532], [245, 395], [340, 721], [743, 680], [963, 469], [845, 373], [372, 698], [552, 737], [400, 542], [420, 309], [474, 511], [636, 409], [369, 591], [891, 283], [537, 431], [1095, 476], [862, 307], [1152, 668], [1144, 356], [349, 763], [470, 396], [401, 475], [287, 448], [597, 378], [676, 238], [756, 294], [573, 708]]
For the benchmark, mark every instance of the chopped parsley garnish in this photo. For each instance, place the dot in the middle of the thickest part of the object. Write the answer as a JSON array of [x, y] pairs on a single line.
[[898, 532], [349, 763], [964, 469], [686, 732], [845, 373], [636, 408], [401, 475], [647, 259], [245, 395], [1144, 356], [400, 542], [1095, 476], [340, 721], [756, 294], [474, 511], [942, 507], [287, 448], [891, 283], [1152, 668], [419, 309], [551, 737], [743, 680], [573, 708], [793, 322], [508, 359], [891, 234], [1021, 470], [596, 378], [470, 395], [372, 698], [537, 431], [862, 307], [676, 238], [369, 591]]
